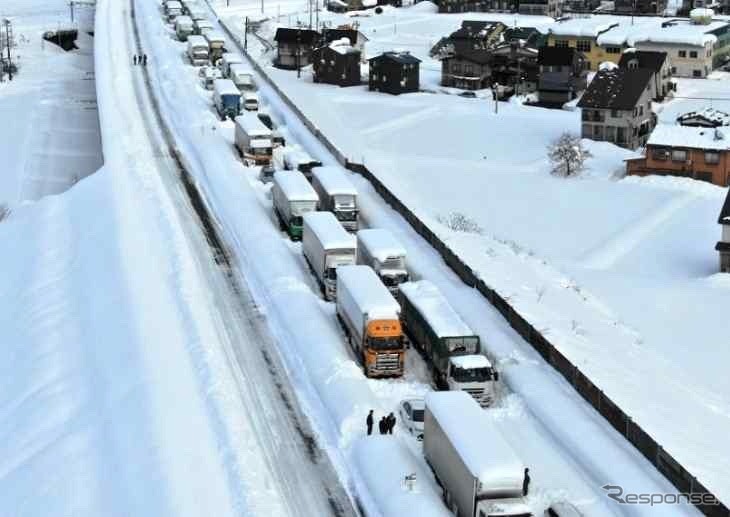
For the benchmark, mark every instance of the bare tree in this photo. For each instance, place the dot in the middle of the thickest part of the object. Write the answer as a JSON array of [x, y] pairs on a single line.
[[459, 222], [567, 155]]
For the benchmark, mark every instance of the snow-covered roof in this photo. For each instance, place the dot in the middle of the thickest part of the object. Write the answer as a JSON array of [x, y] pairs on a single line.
[[225, 87], [334, 181], [435, 309], [294, 156], [184, 20], [699, 12], [252, 125], [380, 244], [214, 36], [690, 137], [295, 186], [329, 231], [480, 444], [197, 41], [368, 292], [240, 68], [471, 361], [719, 118], [258, 143], [676, 31], [342, 46], [174, 4], [582, 27]]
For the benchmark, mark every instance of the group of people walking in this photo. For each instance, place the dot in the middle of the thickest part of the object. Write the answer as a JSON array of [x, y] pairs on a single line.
[[385, 425], [140, 60]]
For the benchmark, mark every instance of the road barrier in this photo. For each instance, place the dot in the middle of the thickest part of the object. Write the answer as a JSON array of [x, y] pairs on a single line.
[[679, 476]]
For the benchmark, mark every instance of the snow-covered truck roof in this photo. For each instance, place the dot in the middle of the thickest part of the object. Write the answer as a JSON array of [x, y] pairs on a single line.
[[480, 444], [197, 41], [368, 292], [225, 87], [329, 231], [295, 186], [334, 181], [214, 36], [380, 244], [183, 20], [231, 57], [435, 309], [240, 68], [174, 4], [470, 362], [296, 156], [252, 126]]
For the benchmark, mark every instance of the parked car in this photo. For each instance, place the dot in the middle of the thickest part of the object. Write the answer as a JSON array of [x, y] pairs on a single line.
[[562, 509], [411, 416], [209, 74]]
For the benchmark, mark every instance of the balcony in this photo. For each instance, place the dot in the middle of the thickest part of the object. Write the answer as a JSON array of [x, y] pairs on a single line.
[[593, 116]]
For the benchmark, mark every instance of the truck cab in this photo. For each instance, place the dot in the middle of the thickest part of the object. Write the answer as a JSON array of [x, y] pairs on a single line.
[[227, 98], [473, 374]]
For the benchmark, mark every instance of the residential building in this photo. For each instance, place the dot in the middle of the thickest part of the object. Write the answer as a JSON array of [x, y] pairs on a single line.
[[526, 35], [477, 6], [394, 73], [581, 34], [562, 75], [693, 152], [640, 6], [616, 107], [337, 63], [723, 245], [552, 8], [514, 65], [468, 69], [474, 35], [658, 63], [708, 117], [294, 47]]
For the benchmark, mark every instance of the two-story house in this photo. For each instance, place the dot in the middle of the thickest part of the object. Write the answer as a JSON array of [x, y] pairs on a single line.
[[693, 152], [640, 6], [357, 39], [658, 63], [294, 47], [582, 34], [562, 75], [467, 68], [394, 73], [477, 6], [514, 65], [552, 8], [723, 245], [616, 107], [337, 63]]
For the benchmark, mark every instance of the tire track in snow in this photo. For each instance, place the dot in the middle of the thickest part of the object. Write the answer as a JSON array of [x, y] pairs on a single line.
[[623, 242]]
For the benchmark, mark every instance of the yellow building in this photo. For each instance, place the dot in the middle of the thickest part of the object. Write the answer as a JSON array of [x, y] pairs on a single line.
[[581, 34]]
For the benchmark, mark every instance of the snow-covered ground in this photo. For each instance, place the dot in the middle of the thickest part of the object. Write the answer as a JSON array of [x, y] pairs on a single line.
[[50, 129], [619, 273]]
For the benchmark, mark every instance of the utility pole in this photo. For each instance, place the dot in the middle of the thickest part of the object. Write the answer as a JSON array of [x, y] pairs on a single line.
[[495, 91], [299, 52], [71, 7], [245, 35], [8, 46]]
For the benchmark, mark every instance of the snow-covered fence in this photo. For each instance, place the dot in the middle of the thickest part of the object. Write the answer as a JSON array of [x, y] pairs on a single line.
[[664, 462]]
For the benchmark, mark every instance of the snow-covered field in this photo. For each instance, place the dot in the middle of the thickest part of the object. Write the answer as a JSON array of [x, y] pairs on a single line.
[[618, 273]]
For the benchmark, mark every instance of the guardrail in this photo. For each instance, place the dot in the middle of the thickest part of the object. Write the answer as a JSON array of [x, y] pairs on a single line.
[[679, 476]]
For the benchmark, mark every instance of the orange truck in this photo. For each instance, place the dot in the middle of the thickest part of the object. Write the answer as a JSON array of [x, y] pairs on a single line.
[[371, 319]]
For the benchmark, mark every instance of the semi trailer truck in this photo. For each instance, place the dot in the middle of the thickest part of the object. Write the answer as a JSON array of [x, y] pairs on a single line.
[[336, 194], [327, 246], [293, 197], [378, 249]]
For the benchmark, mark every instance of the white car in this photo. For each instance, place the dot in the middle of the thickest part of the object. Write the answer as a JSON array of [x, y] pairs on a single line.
[[411, 414]]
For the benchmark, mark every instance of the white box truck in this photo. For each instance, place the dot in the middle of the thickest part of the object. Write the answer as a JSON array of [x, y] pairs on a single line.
[[197, 50], [242, 75], [293, 197], [217, 43], [250, 101], [450, 347], [202, 27], [227, 98], [183, 27], [226, 60], [371, 319], [253, 139], [326, 246], [378, 249], [336, 194], [173, 9], [481, 475]]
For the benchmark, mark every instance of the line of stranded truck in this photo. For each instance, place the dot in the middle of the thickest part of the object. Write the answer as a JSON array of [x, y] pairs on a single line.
[[326, 246], [253, 139], [293, 197], [371, 319], [227, 98], [336, 194], [450, 347], [378, 249], [481, 475]]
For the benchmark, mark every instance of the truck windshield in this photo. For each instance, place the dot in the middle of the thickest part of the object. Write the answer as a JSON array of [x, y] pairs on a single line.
[[418, 415], [346, 215], [331, 273], [230, 101], [385, 343], [295, 220], [471, 374], [394, 280]]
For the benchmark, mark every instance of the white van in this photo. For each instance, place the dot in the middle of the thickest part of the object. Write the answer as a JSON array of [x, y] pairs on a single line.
[[242, 76], [198, 50], [183, 27], [227, 59], [250, 101]]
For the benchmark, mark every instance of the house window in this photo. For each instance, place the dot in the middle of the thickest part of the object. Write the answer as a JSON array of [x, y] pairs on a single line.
[[636, 111], [583, 46], [712, 157], [468, 69], [613, 50], [696, 73], [693, 54], [660, 154], [641, 111], [614, 113], [561, 43], [679, 155], [456, 68], [674, 70], [682, 53]]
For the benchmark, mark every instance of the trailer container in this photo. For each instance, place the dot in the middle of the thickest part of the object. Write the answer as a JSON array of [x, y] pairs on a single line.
[[326, 246]]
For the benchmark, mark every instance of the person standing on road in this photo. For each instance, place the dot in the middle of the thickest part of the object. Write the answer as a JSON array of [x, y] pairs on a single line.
[[382, 426], [134, 60], [526, 482], [369, 422], [391, 423], [144, 59]]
